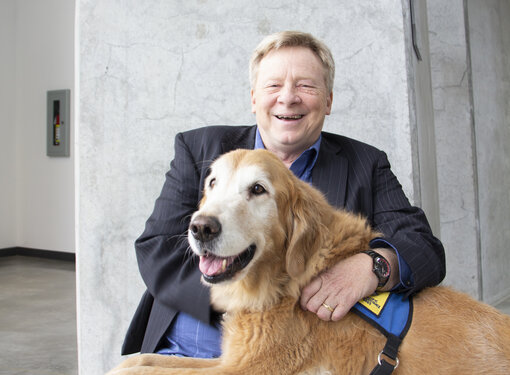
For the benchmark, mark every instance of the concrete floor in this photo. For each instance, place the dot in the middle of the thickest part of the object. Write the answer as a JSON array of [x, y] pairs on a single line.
[[38, 316]]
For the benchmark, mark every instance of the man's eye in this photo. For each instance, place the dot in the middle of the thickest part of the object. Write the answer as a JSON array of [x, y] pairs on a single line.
[[257, 189]]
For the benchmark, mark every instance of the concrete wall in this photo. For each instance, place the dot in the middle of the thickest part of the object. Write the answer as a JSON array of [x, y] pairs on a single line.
[[422, 114], [456, 150], [470, 49], [150, 69], [37, 192], [489, 30]]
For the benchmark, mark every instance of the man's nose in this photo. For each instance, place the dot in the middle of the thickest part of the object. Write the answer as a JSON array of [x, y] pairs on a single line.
[[289, 95]]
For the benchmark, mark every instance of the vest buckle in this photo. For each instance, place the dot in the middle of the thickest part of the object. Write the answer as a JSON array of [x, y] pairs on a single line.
[[380, 359]]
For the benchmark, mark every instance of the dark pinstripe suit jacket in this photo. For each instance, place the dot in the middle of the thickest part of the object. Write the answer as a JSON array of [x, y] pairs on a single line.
[[350, 173]]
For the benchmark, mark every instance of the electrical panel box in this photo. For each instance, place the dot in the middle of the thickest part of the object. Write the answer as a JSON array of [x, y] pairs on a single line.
[[58, 128]]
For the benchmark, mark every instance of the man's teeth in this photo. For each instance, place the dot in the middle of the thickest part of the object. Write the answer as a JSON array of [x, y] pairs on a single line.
[[294, 117]]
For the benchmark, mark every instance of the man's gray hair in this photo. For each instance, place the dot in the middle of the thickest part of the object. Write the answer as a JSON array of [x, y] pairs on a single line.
[[294, 39]]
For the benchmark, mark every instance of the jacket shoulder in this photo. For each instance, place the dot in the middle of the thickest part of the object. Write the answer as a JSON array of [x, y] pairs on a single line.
[[350, 146], [219, 133]]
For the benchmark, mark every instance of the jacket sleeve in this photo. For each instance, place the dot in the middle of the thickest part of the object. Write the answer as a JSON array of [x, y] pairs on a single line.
[[406, 229], [166, 265]]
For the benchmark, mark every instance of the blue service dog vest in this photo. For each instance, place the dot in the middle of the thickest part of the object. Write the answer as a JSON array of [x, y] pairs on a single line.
[[391, 314]]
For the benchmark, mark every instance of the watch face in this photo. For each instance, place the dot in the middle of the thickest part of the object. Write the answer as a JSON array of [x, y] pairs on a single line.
[[382, 267]]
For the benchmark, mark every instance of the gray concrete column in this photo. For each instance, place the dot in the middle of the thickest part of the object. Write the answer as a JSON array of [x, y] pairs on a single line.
[[148, 69]]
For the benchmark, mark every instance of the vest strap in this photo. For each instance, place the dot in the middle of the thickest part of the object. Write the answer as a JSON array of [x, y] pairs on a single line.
[[392, 315], [390, 350], [383, 368]]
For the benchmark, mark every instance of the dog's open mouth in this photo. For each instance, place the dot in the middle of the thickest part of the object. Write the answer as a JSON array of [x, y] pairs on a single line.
[[216, 269]]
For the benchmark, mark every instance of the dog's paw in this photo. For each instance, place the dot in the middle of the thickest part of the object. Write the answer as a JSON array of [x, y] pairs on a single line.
[[124, 371], [136, 361]]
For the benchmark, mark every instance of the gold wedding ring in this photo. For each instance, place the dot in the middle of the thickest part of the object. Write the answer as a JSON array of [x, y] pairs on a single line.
[[328, 306]]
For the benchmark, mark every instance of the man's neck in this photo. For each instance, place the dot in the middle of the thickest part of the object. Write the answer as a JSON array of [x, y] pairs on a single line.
[[286, 158]]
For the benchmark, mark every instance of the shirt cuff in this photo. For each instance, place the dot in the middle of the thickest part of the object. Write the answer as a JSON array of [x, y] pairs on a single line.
[[406, 276]]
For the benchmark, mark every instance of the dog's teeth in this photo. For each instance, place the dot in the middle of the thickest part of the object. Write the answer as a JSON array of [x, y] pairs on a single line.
[[224, 265]]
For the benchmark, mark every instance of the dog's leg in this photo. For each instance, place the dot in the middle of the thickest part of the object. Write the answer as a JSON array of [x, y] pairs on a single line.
[[163, 361], [154, 364], [218, 370]]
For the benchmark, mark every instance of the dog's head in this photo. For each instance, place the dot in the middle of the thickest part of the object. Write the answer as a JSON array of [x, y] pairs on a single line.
[[236, 216], [256, 230]]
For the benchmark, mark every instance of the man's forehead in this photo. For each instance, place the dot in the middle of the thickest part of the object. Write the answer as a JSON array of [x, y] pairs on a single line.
[[301, 60]]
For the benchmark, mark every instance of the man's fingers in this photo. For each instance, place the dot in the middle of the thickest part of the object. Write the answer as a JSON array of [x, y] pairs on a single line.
[[334, 292], [341, 310], [308, 293]]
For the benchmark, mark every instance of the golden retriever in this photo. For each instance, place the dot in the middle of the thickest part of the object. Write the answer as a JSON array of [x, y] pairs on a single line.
[[262, 235]]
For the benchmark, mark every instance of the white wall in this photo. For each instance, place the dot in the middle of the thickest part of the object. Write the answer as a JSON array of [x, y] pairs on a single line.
[[37, 191], [7, 126]]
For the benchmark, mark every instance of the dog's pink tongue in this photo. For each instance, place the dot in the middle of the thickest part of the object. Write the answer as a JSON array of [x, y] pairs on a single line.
[[210, 265]]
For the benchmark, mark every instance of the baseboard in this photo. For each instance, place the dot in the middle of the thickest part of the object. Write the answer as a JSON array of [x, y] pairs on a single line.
[[29, 252]]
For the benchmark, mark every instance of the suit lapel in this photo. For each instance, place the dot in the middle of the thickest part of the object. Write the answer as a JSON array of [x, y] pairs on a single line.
[[330, 173], [245, 139]]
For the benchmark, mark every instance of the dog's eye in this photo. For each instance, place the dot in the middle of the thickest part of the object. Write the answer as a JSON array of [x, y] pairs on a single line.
[[257, 189], [212, 183]]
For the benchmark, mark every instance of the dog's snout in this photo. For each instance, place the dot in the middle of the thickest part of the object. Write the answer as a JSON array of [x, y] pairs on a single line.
[[205, 228]]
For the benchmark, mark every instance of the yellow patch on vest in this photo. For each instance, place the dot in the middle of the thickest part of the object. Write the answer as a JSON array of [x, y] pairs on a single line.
[[375, 303]]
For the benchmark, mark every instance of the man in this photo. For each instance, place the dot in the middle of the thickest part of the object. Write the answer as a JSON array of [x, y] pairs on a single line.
[[292, 76]]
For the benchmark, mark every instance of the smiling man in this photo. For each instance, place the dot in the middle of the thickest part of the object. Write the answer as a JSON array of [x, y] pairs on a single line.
[[290, 99], [292, 76]]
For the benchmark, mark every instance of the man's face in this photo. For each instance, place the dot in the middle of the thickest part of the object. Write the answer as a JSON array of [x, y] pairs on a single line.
[[290, 99]]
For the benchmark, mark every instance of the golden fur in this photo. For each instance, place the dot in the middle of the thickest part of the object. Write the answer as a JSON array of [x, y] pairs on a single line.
[[265, 330]]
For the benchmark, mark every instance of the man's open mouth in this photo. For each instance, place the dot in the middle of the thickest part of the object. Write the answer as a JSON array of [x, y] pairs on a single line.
[[216, 269], [289, 117]]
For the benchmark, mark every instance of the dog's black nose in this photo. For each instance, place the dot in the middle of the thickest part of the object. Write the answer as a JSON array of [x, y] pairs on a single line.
[[205, 228]]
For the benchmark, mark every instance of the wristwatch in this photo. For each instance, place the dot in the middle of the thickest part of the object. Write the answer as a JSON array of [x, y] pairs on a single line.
[[381, 267]]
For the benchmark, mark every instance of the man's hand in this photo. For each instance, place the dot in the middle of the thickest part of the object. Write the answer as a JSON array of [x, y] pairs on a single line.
[[335, 291]]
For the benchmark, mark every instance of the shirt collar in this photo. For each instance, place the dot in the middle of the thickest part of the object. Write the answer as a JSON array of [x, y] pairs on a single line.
[[303, 165]]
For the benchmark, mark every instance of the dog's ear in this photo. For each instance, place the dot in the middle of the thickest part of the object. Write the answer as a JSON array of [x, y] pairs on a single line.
[[304, 235]]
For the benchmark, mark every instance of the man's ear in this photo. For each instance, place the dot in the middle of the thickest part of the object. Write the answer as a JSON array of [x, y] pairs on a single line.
[[329, 103], [304, 234], [253, 101]]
